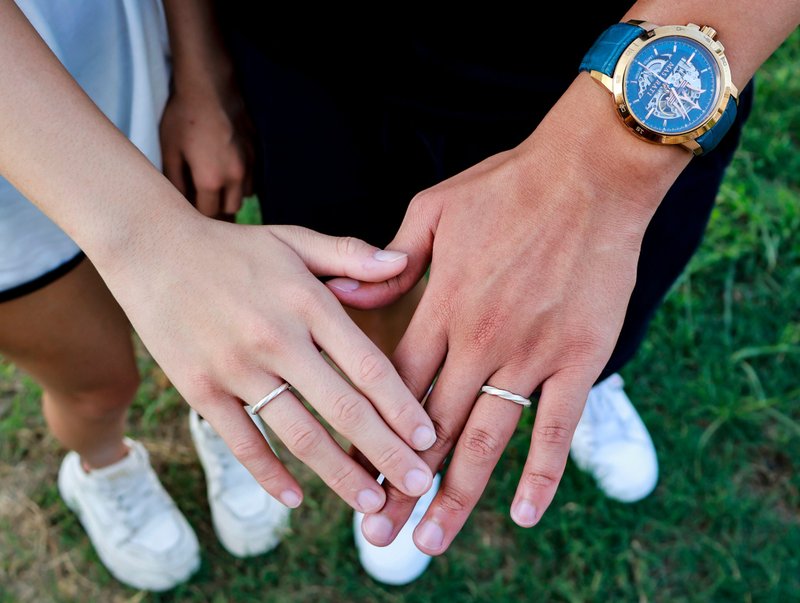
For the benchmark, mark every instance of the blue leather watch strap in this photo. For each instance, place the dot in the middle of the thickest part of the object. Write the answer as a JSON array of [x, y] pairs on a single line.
[[711, 139], [605, 52]]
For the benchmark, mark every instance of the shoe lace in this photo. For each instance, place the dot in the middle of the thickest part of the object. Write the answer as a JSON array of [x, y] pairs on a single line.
[[608, 410], [134, 498]]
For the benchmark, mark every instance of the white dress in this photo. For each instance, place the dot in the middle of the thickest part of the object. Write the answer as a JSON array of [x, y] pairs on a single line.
[[118, 52]]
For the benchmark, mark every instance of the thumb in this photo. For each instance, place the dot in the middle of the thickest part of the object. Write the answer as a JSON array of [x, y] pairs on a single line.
[[349, 257], [415, 239]]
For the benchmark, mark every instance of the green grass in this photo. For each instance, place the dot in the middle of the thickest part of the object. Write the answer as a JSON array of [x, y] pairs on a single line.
[[716, 381]]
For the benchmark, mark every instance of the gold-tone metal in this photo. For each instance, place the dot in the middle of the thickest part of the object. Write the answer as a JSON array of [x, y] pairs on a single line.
[[709, 31], [603, 79], [725, 92]]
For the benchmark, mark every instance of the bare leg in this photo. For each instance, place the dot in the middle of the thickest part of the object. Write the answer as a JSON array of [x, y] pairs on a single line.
[[72, 337], [386, 326]]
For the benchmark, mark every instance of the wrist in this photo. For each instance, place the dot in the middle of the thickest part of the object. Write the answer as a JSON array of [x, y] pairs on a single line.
[[141, 232], [213, 74], [594, 145]]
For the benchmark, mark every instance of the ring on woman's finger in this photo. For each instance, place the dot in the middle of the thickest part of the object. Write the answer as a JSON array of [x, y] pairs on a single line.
[[506, 395], [269, 397]]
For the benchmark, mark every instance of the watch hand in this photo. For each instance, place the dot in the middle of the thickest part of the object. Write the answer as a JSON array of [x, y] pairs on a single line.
[[690, 87], [692, 103], [655, 73], [681, 108]]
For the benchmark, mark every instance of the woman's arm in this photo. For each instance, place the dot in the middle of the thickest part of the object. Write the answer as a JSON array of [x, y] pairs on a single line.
[[228, 311]]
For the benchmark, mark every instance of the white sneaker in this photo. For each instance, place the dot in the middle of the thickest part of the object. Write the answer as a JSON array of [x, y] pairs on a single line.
[[138, 532], [401, 562], [612, 443], [247, 520]]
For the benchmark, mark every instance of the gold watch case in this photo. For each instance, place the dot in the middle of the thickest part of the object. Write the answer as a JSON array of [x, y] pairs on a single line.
[[615, 84]]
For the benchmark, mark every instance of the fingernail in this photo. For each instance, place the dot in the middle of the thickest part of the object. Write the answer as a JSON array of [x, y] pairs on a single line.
[[384, 255], [291, 499], [423, 437], [416, 482], [368, 501], [430, 535], [377, 528], [345, 284], [524, 513]]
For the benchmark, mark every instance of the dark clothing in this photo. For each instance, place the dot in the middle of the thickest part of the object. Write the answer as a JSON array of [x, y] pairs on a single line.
[[342, 146]]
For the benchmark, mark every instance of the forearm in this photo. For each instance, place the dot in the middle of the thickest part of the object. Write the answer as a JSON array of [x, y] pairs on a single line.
[[750, 31], [585, 132], [61, 152], [199, 58]]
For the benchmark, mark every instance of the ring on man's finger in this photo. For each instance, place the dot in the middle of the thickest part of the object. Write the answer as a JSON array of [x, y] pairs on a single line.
[[506, 395], [269, 397]]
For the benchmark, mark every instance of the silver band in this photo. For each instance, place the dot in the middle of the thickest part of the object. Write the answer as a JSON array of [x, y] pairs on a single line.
[[269, 398], [506, 395]]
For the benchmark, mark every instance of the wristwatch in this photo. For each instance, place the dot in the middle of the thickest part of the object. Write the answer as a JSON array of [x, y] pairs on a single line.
[[671, 84]]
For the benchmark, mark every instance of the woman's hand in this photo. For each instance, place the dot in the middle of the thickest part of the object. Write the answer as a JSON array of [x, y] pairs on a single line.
[[230, 312]]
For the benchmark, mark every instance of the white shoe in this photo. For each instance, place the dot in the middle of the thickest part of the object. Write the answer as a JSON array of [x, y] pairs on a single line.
[[247, 520], [401, 562], [138, 532], [612, 443]]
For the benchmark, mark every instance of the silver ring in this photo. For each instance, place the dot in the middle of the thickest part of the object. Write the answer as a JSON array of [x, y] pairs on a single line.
[[506, 395], [269, 398]]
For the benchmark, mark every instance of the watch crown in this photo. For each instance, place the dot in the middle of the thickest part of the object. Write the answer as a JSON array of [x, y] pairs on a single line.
[[709, 31]]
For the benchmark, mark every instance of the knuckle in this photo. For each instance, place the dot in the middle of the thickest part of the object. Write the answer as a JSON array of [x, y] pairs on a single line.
[[269, 474], [482, 443], [453, 500], [308, 302], [249, 451], [304, 439], [555, 431], [341, 477], [419, 201], [399, 413], [390, 460], [484, 331], [348, 410], [372, 368], [539, 480], [347, 246], [265, 337], [209, 182]]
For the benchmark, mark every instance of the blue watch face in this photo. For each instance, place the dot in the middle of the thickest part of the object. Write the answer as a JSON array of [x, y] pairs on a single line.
[[671, 85]]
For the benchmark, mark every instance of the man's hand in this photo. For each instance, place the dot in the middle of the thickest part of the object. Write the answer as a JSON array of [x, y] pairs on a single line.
[[533, 260]]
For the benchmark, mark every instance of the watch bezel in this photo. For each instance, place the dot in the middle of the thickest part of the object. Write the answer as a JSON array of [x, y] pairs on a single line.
[[726, 94]]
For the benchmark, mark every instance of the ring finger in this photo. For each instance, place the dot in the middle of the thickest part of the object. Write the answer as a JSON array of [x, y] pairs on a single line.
[[310, 442], [486, 434]]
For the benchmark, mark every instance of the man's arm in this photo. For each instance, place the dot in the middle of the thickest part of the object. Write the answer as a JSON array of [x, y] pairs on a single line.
[[228, 311], [533, 256]]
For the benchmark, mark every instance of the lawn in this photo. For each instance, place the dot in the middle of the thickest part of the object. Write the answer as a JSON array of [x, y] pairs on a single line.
[[717, 381]]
